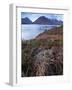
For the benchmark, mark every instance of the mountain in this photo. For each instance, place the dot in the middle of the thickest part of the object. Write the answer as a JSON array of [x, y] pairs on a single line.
[[53, 34], [44, 20], [41, 20], [26, 21]]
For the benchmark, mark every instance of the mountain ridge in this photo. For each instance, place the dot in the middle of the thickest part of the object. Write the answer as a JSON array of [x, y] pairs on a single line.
[[42, 20], [45, 20], [26, 21]]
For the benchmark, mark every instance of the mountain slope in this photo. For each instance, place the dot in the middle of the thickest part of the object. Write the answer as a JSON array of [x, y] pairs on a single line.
[[44, 20], [26, 21], [53, 34]]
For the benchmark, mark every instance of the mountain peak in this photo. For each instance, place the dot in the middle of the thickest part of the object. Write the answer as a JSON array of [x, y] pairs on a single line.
[[47, 21], [43, 17], [26, 20], [42, 20]]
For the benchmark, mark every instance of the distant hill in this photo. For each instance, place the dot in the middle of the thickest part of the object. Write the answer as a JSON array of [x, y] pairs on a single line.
[[44, 20], [53, 34], [26, 21], [41, 20]]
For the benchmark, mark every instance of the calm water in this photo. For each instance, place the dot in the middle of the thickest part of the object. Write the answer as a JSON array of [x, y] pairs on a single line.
[[31, 31]]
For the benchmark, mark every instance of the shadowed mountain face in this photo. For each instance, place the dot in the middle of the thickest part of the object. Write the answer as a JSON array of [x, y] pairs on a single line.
[[26, 21], [42, 20]]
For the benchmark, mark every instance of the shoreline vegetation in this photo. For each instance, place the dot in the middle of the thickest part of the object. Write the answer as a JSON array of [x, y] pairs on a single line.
[[43, 56]]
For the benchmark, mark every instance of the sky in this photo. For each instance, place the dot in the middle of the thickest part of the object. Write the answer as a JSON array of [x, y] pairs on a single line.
[[34, 16]]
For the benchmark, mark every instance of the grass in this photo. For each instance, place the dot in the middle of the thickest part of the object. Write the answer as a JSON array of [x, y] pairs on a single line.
[[30, 49]]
